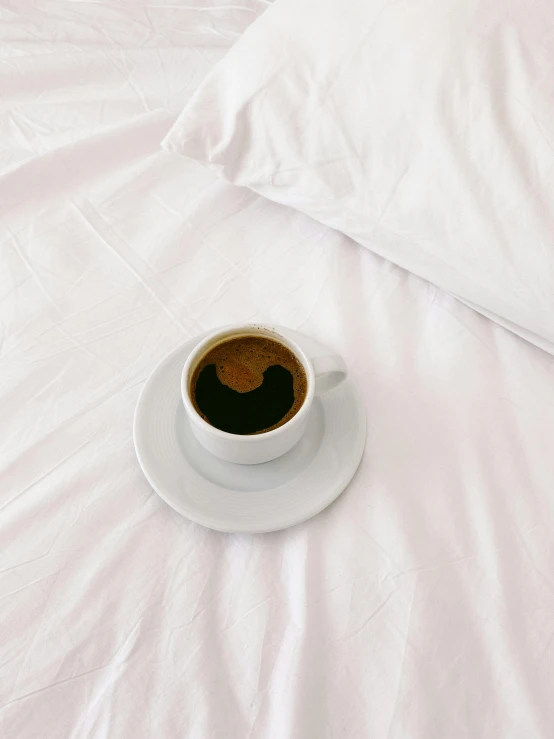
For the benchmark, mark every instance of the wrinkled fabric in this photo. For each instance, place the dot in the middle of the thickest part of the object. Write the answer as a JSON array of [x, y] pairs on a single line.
[[420, 604], [424, 130]]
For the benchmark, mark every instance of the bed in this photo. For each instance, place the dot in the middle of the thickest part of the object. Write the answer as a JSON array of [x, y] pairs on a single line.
[[419, 605]]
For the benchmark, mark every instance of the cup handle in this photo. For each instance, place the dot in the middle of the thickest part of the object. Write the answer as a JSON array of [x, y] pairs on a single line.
[[329, 372]]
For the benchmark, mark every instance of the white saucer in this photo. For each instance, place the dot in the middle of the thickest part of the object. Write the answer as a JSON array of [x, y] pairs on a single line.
[[247, 498]]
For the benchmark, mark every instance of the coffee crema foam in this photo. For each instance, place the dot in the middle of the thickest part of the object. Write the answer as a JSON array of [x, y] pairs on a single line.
[[240, 363]]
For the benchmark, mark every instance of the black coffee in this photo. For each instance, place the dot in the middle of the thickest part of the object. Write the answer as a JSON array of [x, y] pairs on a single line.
[[248, 385]]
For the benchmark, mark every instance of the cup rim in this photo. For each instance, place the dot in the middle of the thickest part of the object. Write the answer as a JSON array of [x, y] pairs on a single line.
[[299, 353]]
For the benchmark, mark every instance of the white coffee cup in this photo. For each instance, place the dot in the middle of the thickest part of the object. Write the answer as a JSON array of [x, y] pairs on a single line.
[[322, 373]]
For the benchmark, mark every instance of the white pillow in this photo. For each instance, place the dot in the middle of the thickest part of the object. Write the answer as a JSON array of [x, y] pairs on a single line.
[[424, 129]]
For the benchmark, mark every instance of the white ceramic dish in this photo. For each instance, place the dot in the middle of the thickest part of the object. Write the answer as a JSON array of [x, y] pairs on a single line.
[[247, 498]]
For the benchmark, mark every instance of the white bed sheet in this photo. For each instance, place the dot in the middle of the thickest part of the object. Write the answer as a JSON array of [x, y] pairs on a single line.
[[420, 605]]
